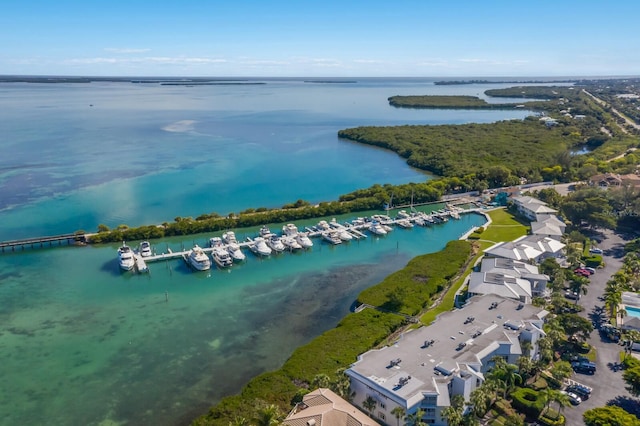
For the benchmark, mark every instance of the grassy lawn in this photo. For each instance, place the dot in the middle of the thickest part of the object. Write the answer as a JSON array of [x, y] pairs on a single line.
[[504, 227]]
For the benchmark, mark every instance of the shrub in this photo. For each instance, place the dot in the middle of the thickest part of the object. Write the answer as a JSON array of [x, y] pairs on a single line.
[[527, 401], [593, 261], [560, 421]]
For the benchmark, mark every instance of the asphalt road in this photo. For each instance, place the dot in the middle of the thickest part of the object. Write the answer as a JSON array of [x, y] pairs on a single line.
[[607, 383]]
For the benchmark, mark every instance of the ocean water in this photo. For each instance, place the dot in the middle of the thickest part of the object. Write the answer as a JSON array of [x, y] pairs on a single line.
[[82, 342]]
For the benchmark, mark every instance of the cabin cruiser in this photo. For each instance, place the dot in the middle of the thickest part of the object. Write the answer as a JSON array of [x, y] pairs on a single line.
[[265, 232], [303, 239], [125, 257], [145, 249], [377, 228], [404, 223], [198, 259], [290, 243], [402, 214], [332, 236], [259, 246], [323, 226], [275, 243], [234, 251], [229, 237], [290, 230], [343, 233], [221, 256], [215, 242]]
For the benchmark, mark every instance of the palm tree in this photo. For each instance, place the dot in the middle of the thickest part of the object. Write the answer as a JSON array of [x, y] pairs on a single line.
[[453, 413], [399, 413], [239, 421], [342, 385], [578, 284], [415, 419], [562, 400], [479, 400], [511, 377], [268, 416], [547, 395], [320, 381], [370, 405]]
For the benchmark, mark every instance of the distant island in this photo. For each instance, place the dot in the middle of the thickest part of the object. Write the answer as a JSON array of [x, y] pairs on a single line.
[[447, 102], [331, 81], [457, 82]]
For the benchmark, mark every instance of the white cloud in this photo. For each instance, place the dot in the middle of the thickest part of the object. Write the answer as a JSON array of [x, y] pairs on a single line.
[[125, 50], [166, 60]]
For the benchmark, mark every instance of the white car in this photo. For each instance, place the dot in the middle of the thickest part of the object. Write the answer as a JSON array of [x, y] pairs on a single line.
[[573, 398]]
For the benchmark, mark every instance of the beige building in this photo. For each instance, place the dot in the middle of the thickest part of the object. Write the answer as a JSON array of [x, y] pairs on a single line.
[[323, 407]]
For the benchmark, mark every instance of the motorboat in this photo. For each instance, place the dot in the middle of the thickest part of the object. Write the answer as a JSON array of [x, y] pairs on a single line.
[[145, 249], [198, 259], [275, 243], [215, 242], [323, 225], [303, 239], [265, 232], [290, 242], [404, 223], [259, 247], [229, 237], [377, 228], [343, 233], [332, 237], [402, 214], [235, 252], [289, 230], [125, 257], [221, 256]]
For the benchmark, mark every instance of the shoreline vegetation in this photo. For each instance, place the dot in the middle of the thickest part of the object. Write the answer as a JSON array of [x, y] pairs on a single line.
[[460, 82], [468, 157]]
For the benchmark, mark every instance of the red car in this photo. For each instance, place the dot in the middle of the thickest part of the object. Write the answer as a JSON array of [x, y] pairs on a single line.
[[583, 272]]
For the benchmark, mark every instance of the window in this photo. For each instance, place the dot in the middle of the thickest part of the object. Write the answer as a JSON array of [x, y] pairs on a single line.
[[381, 415], [383, 406]]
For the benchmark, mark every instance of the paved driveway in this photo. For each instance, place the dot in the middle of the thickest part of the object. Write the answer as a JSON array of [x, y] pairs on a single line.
[[608, 386]]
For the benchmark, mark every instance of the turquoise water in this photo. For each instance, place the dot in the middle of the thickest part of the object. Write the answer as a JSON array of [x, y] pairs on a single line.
[[632, 312], [83, 343]]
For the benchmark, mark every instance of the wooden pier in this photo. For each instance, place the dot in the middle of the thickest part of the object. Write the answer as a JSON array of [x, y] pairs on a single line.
[[41, 241]]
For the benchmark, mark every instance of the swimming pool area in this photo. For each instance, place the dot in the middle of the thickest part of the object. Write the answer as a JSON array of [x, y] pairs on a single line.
[[632, 311]]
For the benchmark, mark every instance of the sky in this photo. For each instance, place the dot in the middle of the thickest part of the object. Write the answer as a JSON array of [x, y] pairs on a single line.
[[278, 38]]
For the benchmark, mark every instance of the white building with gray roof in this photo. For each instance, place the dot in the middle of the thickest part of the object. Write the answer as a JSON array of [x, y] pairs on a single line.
[[427, 366]]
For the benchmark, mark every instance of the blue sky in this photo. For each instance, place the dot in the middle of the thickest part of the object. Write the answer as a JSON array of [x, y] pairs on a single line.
[[322, 38]]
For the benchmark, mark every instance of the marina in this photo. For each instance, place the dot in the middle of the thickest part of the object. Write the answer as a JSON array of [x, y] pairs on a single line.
[[221, 249]]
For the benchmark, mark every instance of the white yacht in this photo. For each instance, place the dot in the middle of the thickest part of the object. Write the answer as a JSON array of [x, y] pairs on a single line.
[[198, 259], [125, 257], [303, 239], [215, 242], [290, 230], [404, 223], [275, 243], [234, 251], [221, 256], [259, 247], [229, 237], [332, 237], [323, 226], [402, 214], [265, 232], [343, 233], [377, 228], [290, 243], [145, 249]]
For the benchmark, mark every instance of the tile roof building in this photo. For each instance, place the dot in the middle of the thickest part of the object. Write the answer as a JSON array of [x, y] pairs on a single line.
[[323, 407]]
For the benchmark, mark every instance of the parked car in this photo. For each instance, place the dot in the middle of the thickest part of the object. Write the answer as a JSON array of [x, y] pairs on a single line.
[[590, 269], [595, 250], [584, 367], [573, 398], [583, 272], [582, 391]]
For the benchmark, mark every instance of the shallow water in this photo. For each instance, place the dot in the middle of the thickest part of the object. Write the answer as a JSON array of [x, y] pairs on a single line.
[[83, 343]]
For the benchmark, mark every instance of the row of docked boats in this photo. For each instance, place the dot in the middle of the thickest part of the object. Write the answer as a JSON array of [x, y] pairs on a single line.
[[224, 251]]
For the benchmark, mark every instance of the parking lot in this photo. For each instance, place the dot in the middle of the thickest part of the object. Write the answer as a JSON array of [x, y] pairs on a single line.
[[607, 383]]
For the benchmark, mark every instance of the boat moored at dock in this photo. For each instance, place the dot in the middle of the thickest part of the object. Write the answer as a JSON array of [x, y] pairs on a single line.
[[145, 249], [125, 257], [198, 259], [259, 247], [221, 256]]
